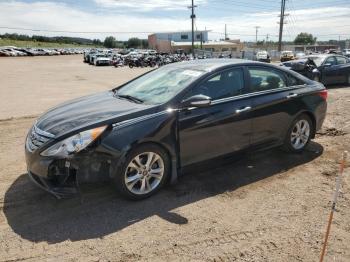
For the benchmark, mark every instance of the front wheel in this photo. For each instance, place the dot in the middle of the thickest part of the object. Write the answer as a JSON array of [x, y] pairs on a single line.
[[144, 172], [299, 134]]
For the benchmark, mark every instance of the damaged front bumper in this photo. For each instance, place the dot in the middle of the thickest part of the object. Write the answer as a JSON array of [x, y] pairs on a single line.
[[63, 177]]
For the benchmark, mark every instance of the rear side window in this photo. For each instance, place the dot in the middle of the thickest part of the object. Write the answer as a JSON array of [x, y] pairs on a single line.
[[293, 81], [225, 84], [341, 60], [331, 60], [262, 79]]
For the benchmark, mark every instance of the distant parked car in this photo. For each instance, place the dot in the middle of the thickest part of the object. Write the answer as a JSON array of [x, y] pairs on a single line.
[[263, 56], [287, 56], [325, 68], [346, 52], [300, 55], [102, 60]]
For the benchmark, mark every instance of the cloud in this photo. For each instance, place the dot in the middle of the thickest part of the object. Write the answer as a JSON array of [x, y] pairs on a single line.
[[141, 5], [63, 17]]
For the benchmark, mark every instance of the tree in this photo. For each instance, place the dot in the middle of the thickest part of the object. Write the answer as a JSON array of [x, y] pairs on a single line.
[[145, 43], [96, 42], [305, 39], [110, 42], [134, 42]]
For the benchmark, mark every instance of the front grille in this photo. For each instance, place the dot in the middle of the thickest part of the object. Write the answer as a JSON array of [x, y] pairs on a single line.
[[37, 138]]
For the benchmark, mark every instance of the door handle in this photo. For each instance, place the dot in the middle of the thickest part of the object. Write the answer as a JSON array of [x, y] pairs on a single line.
[[247, 108], [292, 95]]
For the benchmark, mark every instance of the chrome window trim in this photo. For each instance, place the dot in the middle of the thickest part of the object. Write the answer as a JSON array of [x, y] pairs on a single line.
[[253, 94]]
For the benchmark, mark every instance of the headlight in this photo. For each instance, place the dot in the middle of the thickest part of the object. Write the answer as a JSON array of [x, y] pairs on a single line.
[[74, 143]]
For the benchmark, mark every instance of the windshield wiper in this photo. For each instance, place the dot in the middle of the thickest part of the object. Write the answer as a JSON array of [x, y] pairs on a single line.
[[131, 98]]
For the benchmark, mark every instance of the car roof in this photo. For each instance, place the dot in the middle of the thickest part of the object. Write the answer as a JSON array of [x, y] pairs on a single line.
[[212, 64]]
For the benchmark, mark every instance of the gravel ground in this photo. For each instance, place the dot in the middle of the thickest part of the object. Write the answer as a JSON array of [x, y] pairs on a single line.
[[268, 206]]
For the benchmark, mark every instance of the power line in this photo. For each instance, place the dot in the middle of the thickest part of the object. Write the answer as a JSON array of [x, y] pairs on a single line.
[[76, 32]]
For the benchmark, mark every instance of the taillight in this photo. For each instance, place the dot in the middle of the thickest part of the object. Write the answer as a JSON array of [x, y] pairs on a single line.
[[323, 94]]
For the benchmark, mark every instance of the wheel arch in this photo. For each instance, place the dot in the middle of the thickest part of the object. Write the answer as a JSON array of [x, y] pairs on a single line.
[[313, 119], [171, 154]]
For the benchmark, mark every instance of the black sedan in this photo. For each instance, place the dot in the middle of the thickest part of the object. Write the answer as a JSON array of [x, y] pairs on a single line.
[[143, 133], [325, 68]]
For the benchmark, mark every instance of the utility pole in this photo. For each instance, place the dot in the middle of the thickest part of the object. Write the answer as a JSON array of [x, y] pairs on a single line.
[[193, 16], [201, 40], [225, 32], [282, 15], [256, 33]]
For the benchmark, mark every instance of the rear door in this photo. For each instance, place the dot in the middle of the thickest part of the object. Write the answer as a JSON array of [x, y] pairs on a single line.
[[223, 127], [275, 102]]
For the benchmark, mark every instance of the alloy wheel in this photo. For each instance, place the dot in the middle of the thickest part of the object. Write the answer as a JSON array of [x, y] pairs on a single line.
[[144, 173], [300, 134]]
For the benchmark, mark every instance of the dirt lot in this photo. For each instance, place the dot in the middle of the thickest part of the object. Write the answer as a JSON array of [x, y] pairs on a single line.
[[267, 206]]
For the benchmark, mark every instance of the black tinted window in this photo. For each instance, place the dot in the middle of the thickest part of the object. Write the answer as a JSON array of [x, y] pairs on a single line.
[[293, 81], [331, 60], [225, 84], [341, 60], [265, 79]]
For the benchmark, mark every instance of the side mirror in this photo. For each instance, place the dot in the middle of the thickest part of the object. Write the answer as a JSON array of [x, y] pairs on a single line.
[[327, 65], [196, 101]]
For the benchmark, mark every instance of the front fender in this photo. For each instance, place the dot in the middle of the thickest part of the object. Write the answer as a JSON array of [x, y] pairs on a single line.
[[159, 128]]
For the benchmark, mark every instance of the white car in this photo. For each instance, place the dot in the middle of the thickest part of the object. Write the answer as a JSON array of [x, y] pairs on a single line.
[[263, 56], [346, 52], [102, 60], [300, 55]]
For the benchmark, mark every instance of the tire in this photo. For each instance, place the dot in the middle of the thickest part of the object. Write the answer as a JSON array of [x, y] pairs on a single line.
[[131, 66], [348, 79], [143, 183], [299, 134]]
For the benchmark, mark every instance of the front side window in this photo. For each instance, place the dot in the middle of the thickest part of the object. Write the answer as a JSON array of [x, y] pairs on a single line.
[[160, 85], [263, 79], [222, 85], [331, 60]]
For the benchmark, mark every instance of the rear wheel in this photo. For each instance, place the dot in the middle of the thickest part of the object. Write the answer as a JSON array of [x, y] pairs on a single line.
[[144, 172], [348, 79], [299, 134]]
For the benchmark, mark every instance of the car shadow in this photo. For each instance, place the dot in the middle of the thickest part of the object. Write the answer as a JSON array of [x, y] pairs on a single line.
[[37, 216]]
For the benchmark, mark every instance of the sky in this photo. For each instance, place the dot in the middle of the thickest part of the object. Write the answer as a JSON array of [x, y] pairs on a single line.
[[325, 19]]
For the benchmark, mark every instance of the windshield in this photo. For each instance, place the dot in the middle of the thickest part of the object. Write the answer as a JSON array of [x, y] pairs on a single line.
[[160, 85], [318, 60]]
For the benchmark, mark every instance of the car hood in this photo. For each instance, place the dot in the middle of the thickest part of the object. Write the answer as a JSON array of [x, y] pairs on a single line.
[[87, 111]]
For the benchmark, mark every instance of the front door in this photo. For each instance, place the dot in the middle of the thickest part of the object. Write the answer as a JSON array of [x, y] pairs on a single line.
[[329, 71], [221, 128]]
